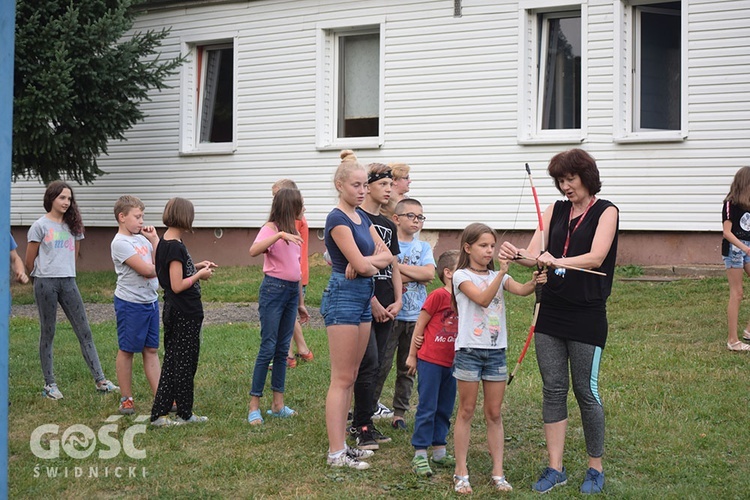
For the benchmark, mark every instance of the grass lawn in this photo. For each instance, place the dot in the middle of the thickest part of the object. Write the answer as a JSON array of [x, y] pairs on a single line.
[[676, 403]]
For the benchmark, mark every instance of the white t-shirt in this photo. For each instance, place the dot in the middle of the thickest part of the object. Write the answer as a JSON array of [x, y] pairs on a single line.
[[480, 327], [131, 286], [57, 249]]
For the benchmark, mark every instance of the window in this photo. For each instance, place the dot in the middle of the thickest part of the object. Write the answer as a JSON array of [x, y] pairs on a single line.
[[550, 89], [651, 84], [209, 98], [350, 90]]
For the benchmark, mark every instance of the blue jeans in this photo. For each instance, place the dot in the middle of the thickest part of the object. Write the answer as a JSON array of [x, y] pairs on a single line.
[[277, 306], [437, 394]]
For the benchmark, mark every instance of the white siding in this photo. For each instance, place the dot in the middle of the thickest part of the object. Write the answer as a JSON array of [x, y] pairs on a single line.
[[451, 112]]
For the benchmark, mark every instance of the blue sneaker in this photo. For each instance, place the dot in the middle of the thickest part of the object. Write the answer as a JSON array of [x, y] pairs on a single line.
[[594, 482], [549, 479]]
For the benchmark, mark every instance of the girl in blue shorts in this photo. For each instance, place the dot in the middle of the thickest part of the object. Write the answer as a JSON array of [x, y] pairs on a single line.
[[480, 346], [735, 249], [357, 253]]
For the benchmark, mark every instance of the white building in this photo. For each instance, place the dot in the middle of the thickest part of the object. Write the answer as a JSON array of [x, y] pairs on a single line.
[[466, 92]]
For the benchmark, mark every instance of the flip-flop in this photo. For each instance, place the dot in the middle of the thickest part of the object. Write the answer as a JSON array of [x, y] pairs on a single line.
[[254, 417], [285, 412]]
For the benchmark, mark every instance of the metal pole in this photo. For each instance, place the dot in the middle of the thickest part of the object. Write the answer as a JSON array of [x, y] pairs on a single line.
[[7, 41]]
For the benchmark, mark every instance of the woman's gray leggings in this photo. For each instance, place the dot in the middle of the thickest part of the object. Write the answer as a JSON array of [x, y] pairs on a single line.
[[553, 355], [47, 293]]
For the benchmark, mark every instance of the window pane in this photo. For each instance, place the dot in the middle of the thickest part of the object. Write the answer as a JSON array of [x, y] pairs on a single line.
[[660, 71], [561, 74], [218, 91], [359, 85]]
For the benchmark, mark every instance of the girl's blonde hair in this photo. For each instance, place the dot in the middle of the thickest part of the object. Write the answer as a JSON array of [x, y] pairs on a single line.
[[283, 183], [348, 164], [739, 192], [470, 235], [400, 170]]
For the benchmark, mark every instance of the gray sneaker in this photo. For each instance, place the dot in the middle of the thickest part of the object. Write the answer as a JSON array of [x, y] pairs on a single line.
[[194, 419], [164, 421], [51, 392]]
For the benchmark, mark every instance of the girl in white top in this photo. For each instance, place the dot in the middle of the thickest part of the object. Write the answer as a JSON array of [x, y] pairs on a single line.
[[480, 346]]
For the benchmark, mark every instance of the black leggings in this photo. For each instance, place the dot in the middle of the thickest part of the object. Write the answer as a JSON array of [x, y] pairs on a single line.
[[181, 350]]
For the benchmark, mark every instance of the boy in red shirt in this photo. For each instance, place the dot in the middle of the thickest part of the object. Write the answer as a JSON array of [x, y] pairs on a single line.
[[431, 355]]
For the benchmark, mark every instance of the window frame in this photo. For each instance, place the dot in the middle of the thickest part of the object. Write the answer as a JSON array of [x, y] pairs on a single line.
[[627, 51], [531, 12], [192, 98], [327, 106]]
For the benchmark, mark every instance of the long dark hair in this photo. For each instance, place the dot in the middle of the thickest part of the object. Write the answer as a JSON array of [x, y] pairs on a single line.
[[739, 192], [72, 217], [285, 209], [471, 234]]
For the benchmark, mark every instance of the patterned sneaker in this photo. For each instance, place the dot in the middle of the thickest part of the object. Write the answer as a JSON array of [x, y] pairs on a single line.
[[106, 386], [194, 419], [549, 479], [382, 412], [357, 453], [344, 460], [164, 421], [127, 407], [378, 436], [421, 466], [365, 439], [594, 482], [51, 392], [446, 461]]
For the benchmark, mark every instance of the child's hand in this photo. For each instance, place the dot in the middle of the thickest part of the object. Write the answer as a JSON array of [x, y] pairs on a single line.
[[302, 315], [350, 273], [205, 273], [291, 238], [379, 313], [395, 308], [418, 341], [540, 277], [150, 233], [411, 364], [503, 266]]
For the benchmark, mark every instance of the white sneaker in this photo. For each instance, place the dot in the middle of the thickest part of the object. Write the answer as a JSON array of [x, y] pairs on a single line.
[[194, 419], [344, 460], [106, 386], [358, 453], [382, 412], [164, 421], [51, 392]]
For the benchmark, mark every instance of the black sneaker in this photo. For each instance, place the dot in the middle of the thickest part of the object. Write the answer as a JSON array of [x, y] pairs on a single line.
[[379, 436], [365, 440]]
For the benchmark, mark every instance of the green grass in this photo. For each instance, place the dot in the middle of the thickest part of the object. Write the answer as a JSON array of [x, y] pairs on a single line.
[[675, 399]]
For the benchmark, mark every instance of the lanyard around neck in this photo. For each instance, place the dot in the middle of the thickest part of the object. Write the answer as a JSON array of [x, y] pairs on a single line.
[[570, 218]]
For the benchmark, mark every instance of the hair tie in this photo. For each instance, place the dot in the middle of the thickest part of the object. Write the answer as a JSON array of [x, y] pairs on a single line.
[[374, 177]]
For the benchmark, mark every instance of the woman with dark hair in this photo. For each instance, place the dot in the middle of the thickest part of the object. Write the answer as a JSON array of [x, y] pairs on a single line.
[[53, 242], [571, 329]]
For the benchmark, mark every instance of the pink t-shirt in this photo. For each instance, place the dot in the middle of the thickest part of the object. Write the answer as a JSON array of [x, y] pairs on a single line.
[[282, 259]]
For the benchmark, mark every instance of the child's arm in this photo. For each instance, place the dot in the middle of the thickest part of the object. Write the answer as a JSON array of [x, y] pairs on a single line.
[[363, 266], [261, 246], [421, 274], [395, 308], [484, 297], [145, 269], [180, 284], [19, 271], [527, 288], [416, 340]]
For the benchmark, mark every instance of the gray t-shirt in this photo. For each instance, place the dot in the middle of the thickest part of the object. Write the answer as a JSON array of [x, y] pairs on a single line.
[[131, 286], [57, 249]]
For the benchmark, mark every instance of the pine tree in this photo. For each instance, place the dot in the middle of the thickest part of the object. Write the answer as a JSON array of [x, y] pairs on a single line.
[[78, 83]]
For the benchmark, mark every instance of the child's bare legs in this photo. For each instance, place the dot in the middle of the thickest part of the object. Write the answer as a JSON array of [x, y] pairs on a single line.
[[299, 339], [467, 401], [151, 367], [735, 277], [347, 344], [493, 402], [124, 369]]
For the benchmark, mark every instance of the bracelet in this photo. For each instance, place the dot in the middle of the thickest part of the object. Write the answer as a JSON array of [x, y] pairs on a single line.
[[191, 280]]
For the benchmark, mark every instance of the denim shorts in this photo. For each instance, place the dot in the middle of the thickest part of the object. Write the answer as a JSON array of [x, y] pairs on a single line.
[[737, 259], [137, 325], [347, 302], [473, 365]]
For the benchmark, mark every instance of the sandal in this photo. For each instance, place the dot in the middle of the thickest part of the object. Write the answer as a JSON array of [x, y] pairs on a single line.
[[255, 418], [501, 484], [285, 412], [309, 355], [746, 335], [738, 346], [461, 484]]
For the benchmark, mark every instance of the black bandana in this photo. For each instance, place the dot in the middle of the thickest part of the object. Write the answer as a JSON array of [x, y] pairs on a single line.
[[373, 177]]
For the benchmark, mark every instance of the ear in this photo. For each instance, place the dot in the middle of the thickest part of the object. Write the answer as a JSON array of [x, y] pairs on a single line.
[[121, 217], [466, 248]]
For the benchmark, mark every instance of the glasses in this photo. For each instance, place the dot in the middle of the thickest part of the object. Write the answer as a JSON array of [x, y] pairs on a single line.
[[412, 216]]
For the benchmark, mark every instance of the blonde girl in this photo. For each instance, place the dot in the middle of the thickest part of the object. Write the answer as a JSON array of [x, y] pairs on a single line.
[[480, 346], [735, 249], [53, 244], [279, 300], [357, 253]]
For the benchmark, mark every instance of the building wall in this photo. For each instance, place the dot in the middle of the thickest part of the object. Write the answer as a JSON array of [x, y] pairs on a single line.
[[451, 111]]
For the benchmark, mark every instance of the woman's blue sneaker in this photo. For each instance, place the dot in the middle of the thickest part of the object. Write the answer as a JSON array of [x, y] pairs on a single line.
[[594, 482], [549, 479]]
